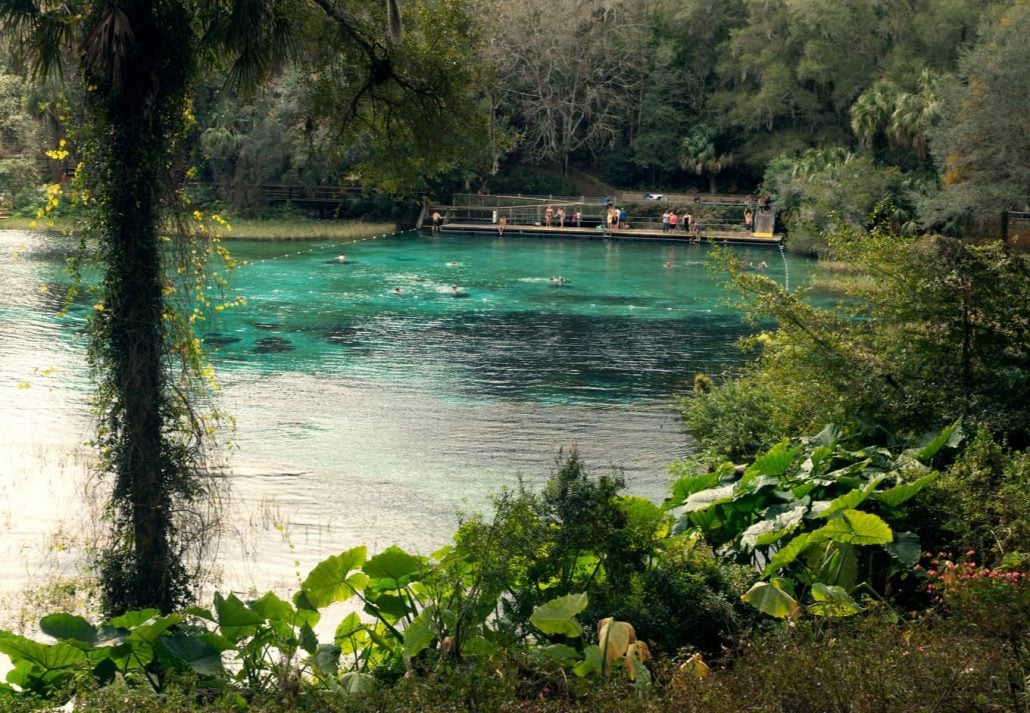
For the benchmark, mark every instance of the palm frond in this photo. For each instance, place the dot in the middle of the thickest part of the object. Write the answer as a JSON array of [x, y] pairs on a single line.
[[40, 32]]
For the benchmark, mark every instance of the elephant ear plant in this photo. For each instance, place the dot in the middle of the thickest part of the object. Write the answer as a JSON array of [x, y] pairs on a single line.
[[814, 517]]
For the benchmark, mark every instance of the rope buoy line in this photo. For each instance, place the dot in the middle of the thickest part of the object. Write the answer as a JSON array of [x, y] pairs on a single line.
[[331, 245], [786, 268]]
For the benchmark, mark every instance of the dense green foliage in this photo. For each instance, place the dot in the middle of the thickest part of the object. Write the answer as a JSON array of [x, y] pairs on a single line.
[[830, 107], [506, 615], [938, 331]]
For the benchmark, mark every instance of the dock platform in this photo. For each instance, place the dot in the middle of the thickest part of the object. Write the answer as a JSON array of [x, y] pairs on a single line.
[[723, 219], [629, 234]]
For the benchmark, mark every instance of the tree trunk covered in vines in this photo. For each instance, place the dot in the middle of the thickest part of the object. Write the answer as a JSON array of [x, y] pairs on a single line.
[[140, 80]]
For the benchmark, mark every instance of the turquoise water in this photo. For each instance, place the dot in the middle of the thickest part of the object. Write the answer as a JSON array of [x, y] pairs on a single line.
[[371, 416], [621, 327]]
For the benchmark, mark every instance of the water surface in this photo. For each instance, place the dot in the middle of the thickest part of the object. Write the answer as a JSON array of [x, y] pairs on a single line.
[[373, 398]]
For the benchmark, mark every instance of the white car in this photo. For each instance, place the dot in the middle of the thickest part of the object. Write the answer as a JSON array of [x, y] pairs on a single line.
[[654, 196]]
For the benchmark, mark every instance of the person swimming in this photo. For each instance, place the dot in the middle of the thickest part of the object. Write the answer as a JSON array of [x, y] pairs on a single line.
[[396, 290], [341, 258], [668, 264]]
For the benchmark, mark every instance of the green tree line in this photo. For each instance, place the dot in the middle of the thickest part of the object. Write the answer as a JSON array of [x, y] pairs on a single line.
[[913, 103]]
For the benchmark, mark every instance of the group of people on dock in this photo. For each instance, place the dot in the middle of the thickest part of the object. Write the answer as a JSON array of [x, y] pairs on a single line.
[[556, 218], [614, 218], [690, 224]]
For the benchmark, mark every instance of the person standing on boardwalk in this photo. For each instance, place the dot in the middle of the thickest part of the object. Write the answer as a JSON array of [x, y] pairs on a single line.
[[548, 215], [665, 222], [502, 222], [561, 217], [749, 220], [437, 220], [577, 217], [622, 219], [685, 220], [673, 219]]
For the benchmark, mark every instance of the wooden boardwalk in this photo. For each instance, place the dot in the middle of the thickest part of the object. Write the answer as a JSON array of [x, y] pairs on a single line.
[[595, 233], [721, 218]]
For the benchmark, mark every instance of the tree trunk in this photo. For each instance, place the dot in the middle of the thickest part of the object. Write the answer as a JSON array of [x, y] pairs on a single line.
[[136, 105]]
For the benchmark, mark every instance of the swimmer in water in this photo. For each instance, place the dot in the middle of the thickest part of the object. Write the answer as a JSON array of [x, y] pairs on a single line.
[[668, 264], [763, 265], [341, 258], [396, 290], [455, 289]]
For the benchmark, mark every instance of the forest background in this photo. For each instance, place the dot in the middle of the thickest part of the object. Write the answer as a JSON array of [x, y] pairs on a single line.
[[915, 108]]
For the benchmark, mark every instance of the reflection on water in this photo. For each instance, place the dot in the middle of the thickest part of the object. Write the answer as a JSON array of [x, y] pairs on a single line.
[[372, 403]]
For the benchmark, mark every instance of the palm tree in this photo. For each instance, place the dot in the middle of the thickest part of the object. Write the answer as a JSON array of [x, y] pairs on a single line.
[[699, 153], [872, 111], [914, 116], [138, 60], [886, 114]]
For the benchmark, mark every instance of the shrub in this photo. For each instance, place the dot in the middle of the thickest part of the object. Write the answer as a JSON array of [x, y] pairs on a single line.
[[732, 419], [864, 665]]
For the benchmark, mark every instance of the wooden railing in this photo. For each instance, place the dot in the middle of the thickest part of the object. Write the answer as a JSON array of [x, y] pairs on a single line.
[[285, 193]]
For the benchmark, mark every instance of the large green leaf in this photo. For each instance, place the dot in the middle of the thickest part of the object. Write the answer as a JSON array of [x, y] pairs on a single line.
[[950, 436], [780, 520], [563, 653], [855, 527], [393, 568], [232, 613], [557, 615], [388, 607], [706, 498], [150, 631], [852, 499], [832, 601], [273, 609], [684, 487], [334, 579], [770, 599], [356, 684], [419, 634], [68, 628], [788, 553], [326, 661], [49, 657], [813, 465], [826, 438], [776, 460], [308, 639], [132, 619], [905, 548], [196, 653], [836, 564], [236, 621], [708, 521], [895, 496], [350, 625], [592, 663], [352, 634]]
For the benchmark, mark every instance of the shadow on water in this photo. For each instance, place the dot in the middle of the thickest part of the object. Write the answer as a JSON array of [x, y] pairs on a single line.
[[273, 345]]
